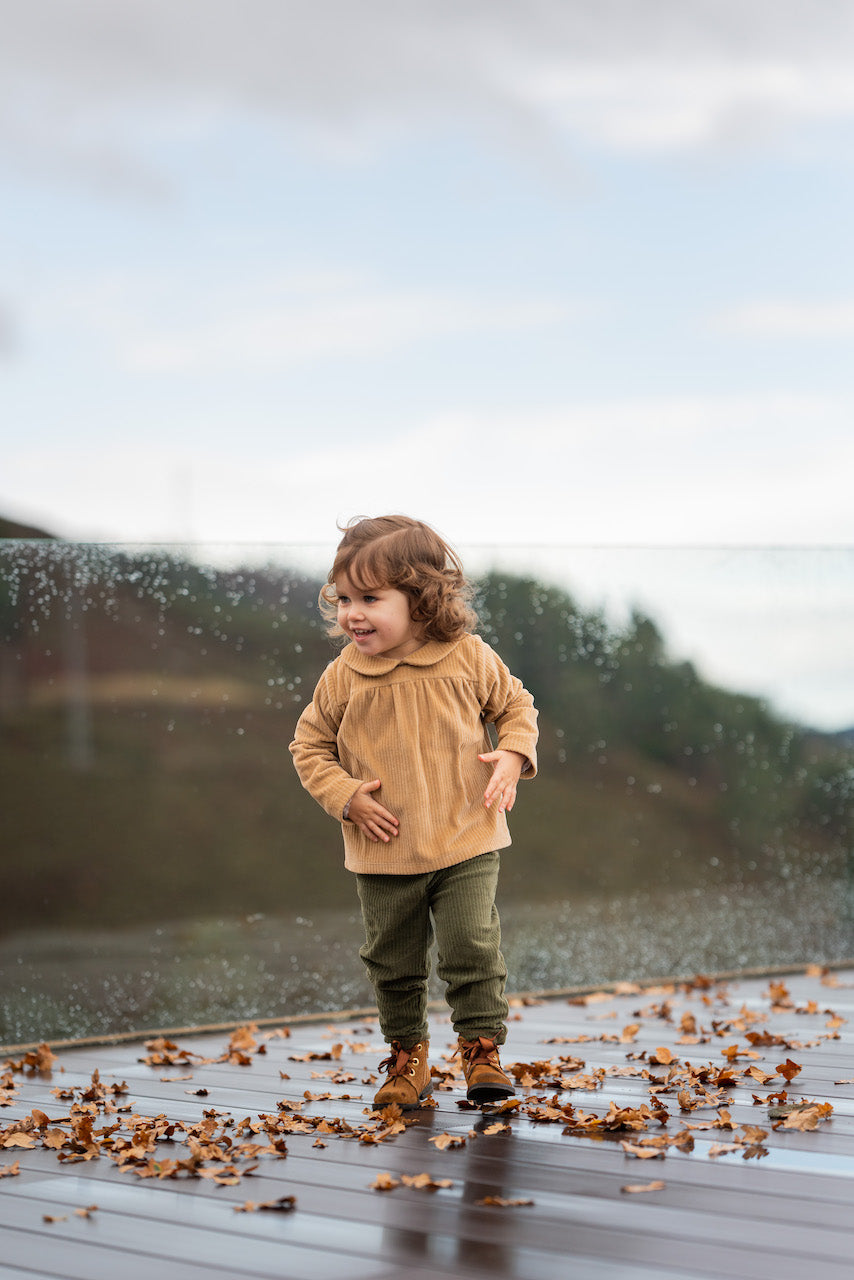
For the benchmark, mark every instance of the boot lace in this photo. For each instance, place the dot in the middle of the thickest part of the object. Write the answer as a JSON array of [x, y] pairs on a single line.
[[400, 1061], [480, 1050]]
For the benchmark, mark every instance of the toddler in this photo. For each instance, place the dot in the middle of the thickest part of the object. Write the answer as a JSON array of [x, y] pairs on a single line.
[[394, 745]]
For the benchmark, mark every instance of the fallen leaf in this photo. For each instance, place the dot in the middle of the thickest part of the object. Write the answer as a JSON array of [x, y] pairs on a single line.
[[17, 1140], [637, 1188], [641, 1152], [35, 1062], [444, 1141], [10, 1170], [502, 1108], [756, 1073], [788, 1070], [424, 1182], [807, 1116], [87, 1212], [500, 1203], [284, 1204], [384, 1182]]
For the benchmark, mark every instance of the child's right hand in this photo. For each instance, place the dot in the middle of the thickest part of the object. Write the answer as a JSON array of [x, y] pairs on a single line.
[[372, 818]]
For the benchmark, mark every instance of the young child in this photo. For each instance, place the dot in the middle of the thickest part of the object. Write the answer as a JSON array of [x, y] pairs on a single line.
[[394, 745]]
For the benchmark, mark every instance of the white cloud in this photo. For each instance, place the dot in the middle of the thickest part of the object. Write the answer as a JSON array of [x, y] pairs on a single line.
[[791, 319], [351, 323], [666, 74], [726, 470]]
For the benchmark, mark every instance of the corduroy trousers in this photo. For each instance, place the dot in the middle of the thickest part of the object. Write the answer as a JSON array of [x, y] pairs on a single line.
[[402, 916]]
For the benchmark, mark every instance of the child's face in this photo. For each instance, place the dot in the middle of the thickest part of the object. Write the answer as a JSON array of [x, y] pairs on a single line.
[[376, 619]]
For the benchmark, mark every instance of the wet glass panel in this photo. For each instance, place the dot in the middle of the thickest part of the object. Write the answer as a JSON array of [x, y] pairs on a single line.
[[163, 868]]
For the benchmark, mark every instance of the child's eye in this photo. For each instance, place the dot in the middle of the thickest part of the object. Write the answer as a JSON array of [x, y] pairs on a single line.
[[343, 599], [370, 599]]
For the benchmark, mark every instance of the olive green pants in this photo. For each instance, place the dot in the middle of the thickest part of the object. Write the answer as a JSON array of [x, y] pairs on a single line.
[[403, 915]]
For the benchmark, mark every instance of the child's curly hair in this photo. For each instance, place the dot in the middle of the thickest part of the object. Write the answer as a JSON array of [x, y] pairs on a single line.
[[399, 552]]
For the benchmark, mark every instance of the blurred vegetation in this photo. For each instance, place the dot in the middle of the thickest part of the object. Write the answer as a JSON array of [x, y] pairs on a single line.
[[147, 704]]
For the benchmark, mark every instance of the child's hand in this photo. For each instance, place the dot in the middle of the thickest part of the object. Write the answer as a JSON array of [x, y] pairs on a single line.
[[372, 819], [506, 771]]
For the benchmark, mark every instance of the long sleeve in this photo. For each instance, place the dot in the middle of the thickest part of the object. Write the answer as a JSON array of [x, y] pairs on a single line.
[[510, 707], [315, 751]]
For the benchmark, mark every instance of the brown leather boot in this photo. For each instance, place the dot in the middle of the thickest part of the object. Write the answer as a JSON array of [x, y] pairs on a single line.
[[408, 1082], [485, 1080]]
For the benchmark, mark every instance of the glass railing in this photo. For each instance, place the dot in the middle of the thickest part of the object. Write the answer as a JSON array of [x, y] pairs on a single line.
[[162, 866]]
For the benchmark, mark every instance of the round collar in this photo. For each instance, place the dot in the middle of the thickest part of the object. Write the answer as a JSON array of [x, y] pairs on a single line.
[[428, 655]]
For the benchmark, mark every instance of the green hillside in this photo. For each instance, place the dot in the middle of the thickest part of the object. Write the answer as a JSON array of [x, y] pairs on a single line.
[[147, 703]]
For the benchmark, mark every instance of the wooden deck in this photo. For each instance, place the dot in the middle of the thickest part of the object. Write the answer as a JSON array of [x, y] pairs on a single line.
[[170, 1158]]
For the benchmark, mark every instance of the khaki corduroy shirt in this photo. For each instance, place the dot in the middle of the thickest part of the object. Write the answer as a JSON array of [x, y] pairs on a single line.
[[418, 724]]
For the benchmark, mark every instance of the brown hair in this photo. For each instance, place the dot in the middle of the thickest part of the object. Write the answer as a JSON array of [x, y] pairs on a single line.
[[399, 552]]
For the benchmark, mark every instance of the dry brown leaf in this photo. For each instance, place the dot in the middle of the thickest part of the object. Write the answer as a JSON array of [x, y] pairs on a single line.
[[446, 1141], [722, 1149], [642, 1152], [788, 1070], [284, 1204], [638, 1188], [10, 1170], [778, 994], [35, 1062], [424, 1182], [732, 1051], [502, 1108], [17, 1140], [49, 1217], [384, 1182], [87, 1212], [499, 1202], [752, 1135], [808, 1116], [756, 1073]]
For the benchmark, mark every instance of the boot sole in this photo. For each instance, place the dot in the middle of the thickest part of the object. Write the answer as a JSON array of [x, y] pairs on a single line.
[[413, 1106], [407, 1106], [489, 1093]]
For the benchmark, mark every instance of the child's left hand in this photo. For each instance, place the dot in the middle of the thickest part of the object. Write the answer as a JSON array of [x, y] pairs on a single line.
[[506, 771]]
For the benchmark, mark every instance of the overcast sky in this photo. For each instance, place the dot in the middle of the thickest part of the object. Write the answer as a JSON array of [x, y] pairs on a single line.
[[554, 271]]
